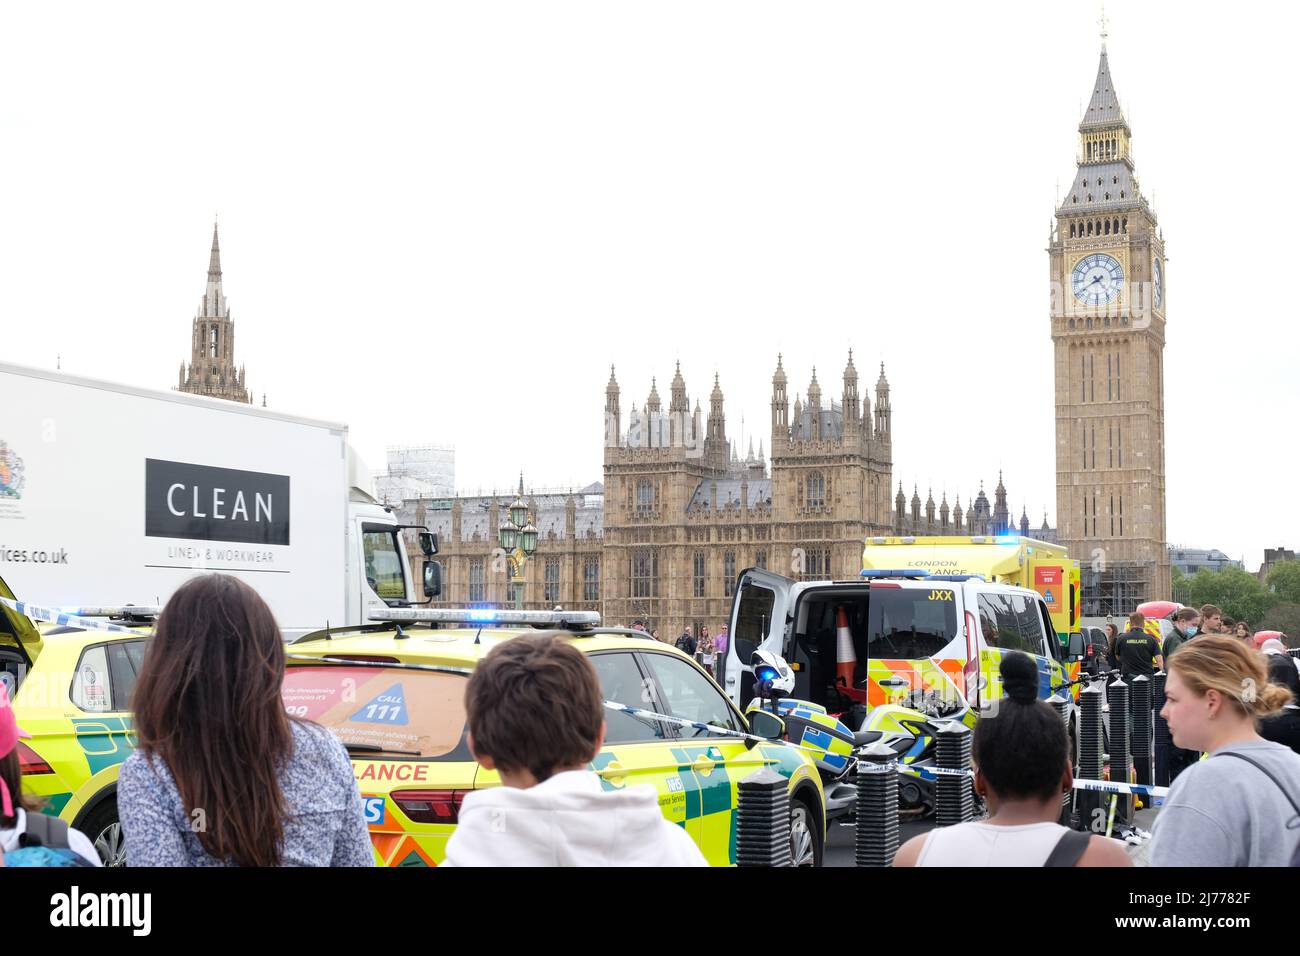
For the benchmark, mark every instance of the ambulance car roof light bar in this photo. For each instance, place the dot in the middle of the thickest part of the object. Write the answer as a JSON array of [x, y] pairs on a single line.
[[570, 620], [882, 573], [954, 577]]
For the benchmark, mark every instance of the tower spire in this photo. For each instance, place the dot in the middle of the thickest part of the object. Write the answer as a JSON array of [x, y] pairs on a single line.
[[214, 263]]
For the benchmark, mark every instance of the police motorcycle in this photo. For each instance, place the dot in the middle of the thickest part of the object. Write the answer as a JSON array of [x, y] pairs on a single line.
[[908, 729]]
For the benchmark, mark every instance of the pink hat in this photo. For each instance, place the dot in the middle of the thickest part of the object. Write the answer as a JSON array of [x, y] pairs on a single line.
[[10, 733]]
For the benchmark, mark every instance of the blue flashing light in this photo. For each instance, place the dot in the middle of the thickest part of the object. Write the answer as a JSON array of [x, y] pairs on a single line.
[[1007, 539], [906, 573], [766, 674], [482, 614]]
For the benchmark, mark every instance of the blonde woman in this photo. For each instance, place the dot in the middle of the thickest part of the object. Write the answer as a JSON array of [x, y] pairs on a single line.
[[1241, 805]]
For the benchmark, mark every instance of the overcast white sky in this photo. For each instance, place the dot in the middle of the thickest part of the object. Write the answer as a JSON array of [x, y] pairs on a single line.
[[442, 222]]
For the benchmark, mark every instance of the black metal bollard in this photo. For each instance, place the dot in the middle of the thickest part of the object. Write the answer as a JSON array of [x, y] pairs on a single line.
[[954, 794], [876, 839], [1140, 693], [1091, 743], [1163, 742], [1062, 707], [763, 820], [1120, 762]]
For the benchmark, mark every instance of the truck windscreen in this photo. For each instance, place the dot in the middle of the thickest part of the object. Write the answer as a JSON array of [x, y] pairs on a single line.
[[910, 623], [384, 565]]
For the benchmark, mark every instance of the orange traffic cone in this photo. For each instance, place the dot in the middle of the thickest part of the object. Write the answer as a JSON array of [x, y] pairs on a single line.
[[846, 659]]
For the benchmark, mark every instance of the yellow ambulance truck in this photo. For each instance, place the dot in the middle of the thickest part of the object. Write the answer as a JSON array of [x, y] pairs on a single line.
[[1004, 559]]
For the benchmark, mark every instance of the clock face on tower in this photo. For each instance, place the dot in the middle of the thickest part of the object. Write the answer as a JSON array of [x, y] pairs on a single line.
[[1158, 274], [1097, 279]]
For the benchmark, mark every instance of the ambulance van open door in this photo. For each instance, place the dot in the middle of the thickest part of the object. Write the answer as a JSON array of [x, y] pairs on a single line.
[[758, 619]]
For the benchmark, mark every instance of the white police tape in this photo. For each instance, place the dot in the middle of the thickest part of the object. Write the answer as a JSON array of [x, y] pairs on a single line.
[[708, 728], [931, 773], [65, 619], [1106, 786]]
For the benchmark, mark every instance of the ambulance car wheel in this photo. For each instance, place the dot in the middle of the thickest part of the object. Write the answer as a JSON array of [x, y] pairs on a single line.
[[805, 842], [105, 831]]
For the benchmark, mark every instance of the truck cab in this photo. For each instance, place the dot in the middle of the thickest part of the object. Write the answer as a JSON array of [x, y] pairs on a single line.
[[929, 642], [379, 572]]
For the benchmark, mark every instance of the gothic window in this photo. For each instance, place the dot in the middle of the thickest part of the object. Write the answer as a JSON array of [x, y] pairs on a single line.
[[760, 560], [1112, 516], [699, 574], [816, 490], [817, 564], [1116, 226], [476, 585], [1093, 443], [1071, 230], [645, 495], [551, 589], [729, 573], [213, 344], [1125, 224], [1121, 514], [645, 574], [1106, 226], [591, 578], [1119, 450]]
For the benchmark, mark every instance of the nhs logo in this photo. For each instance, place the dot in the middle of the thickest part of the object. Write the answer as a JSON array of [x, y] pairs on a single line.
[[373, 810]]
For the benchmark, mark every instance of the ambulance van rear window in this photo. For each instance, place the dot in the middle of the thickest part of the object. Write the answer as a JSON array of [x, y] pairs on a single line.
[[910, 623], [397, 710]]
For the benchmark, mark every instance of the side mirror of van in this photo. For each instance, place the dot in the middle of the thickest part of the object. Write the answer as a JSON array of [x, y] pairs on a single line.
[[432, 579], [1076, 646], [428, 543]]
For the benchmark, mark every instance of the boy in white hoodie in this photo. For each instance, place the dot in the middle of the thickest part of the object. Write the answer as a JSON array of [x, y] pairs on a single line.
[[537, 717]]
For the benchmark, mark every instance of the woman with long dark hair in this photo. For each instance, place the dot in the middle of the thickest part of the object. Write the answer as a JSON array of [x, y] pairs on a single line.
[[222, 776]]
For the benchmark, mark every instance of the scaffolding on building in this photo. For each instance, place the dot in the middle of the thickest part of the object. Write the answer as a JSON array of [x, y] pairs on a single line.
[[1118, 588]]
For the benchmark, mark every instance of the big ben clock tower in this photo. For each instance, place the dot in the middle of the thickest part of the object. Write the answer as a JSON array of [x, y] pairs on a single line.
[[1107, 273]]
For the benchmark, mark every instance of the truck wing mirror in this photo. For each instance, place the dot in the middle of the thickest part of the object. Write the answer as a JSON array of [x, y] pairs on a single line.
[[428, 543], [1076, 645], [432, 579]]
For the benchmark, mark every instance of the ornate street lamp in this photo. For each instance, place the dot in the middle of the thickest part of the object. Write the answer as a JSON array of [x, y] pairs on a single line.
[[518, 538]]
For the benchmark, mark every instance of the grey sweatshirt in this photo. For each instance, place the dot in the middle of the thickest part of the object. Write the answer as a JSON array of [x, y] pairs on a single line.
[[1224, 812]]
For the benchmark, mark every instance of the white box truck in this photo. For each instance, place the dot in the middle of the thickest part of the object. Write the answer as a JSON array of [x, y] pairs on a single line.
[[112, 495]]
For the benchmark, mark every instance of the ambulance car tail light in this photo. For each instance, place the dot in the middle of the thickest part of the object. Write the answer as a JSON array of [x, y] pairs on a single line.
[[430, 806], [30, 762]]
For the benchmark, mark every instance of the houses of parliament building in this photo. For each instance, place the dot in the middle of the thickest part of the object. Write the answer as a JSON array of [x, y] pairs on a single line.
[[680, 513]]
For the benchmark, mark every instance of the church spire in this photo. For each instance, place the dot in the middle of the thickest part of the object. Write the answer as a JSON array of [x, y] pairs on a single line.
[[214, 263]]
